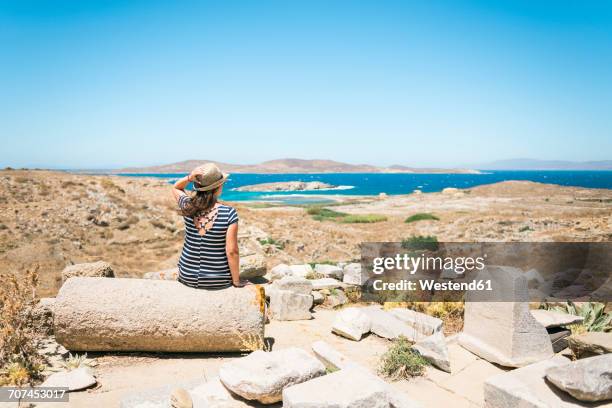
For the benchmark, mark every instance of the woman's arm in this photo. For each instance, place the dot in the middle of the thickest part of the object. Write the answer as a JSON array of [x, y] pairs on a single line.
[[178, 189], [233, 255]]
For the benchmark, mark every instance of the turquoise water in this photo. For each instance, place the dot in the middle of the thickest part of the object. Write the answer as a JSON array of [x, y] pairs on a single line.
[[375, 183]]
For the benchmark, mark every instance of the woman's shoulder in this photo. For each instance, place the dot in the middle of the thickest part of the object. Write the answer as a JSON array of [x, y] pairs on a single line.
[[232, 214], [227, 207]]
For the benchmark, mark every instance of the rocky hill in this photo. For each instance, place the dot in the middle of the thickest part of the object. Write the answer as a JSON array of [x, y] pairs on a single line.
[[287, 166]]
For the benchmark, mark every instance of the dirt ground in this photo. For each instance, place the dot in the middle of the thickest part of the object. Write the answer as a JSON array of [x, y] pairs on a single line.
[[53, 219]]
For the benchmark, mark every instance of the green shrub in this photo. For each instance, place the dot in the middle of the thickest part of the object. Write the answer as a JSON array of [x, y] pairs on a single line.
[[421, 242], [400, 361], [322, 214], [363, 218], [595, 318], [272, 242], [421, 217]]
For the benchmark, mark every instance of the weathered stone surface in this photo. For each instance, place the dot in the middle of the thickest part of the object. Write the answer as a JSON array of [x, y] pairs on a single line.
[[329, 356], [262, 376], [527, 387], [77, 379], [425, 324], [287, 305], [329, 271], [252, 266], [200, 392], [352, 274], [166, 274], [43, 315], [591, 343], [504, 332], [326, 283], [351, 387], [301, 271], [98, 314], [385, 324], [551, 318], [317, 297], [336, 298], [351, 323], [589, 379], [92, 269], [434, 350], [298, 285], [280, 271]]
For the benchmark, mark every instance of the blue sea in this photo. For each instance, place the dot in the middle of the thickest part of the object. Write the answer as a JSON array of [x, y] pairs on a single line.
[[357, 184]]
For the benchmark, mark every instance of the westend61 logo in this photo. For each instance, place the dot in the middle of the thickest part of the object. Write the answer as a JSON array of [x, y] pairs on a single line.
[[418, 270]]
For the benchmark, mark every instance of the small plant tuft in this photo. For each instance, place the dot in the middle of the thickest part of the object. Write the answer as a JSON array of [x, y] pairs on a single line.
[[421, 242], [400, 361]]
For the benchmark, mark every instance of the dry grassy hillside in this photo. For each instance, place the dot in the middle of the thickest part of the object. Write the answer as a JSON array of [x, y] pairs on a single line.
[[53, 219]]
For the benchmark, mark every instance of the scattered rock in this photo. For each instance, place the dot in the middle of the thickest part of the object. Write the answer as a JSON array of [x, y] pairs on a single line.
[[558, 338], [591, 343], [297, 285], [329, 271], [43, 315], [450, 191], [434, 350], [326, 283], [262, 376], [351, 323], [212, 391], [589, 379], [317, 297], [386, 325], [351, 387], [329, 356], [75, 380], [280, 271], [93, 269], [425, 324], [352, 274], [252, 266], [550, 318], [287, 305], [301, 271], [526, 387], [503, 332], [335, 298]]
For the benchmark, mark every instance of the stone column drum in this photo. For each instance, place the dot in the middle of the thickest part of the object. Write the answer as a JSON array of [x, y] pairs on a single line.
[[101, 314]]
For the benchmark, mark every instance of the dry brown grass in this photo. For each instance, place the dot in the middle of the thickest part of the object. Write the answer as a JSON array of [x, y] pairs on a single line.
[[20, 362]]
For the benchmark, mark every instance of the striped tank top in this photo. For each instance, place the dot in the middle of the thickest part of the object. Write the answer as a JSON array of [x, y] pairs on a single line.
[[203, 262]]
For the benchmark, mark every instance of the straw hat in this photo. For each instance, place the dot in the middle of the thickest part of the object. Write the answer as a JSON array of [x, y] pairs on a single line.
[[209, 177]]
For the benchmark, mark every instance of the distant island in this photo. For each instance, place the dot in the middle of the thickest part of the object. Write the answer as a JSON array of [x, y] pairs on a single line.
[[288, 186], [285, 166], [535, 164]]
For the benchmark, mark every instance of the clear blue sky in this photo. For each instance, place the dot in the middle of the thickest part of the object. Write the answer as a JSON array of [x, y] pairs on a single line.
[[88, 84]]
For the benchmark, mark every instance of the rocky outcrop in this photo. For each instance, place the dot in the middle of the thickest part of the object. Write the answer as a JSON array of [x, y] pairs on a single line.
[[98, 314], [43, 315], [91, 269], [287, 186], [589, 379], [329, 356], [262, 376]]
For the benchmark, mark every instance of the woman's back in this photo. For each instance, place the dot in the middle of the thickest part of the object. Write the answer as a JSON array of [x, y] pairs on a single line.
[[203, 262]]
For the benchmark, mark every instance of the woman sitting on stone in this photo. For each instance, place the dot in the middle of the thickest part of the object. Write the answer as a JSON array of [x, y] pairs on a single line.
[[210, 258]]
